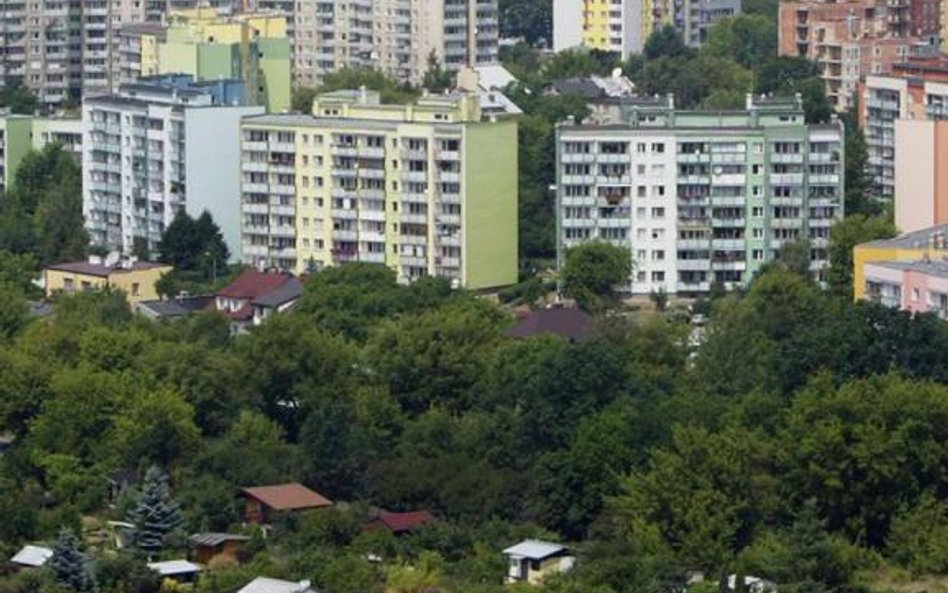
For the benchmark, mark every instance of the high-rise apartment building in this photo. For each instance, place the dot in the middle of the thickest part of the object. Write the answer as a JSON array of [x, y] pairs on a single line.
[[19, 134], [60, 48], [395, 36], [624, 26], [700, 197], [921, 171], [252, 47], [915, 90], [853, 39], [157, 147], [428, 189]]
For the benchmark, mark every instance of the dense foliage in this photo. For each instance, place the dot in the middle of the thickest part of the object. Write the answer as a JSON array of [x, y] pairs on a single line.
[[655, 457]]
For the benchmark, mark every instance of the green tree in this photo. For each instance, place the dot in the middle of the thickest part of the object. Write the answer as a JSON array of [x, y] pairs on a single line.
[[18, 98], [919, 537], [436, 79], [531, 20], [844, 236], [666, 42], [747, 39], [390, 90], [69, 565], [191, 244], [155, 514], [592, 272], [860, 187], [158, 427]]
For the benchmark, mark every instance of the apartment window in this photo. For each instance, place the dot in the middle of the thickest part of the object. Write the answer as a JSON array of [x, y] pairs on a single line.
[[915, 295], [755, 169], [640, 255], [658, 255], [640, 212], [758, 254], [640, 191], [758, 233], [658, 213], [640, 169], [658, 147], [640, 276], [658, 191], [757, 211], [658, 276], [640, 148]]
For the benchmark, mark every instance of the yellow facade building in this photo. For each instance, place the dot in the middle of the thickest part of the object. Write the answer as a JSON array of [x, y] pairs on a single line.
[[136, 279], [927, 244], [428, 189]]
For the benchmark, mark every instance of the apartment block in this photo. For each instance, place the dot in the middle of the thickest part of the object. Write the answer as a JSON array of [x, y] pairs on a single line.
[[699, 197], [916, 90], [921, 173], [624, 26], [428, 189], [60, 48], [154, 148], [252, 47], [857, 38]]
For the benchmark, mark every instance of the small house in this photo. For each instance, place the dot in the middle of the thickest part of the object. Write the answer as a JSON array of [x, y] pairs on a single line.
[[136, 278], [263, 502], [208, 546], [253, 295], [31, 557], [268, 585], [180, 571], [532, 560], [399, 523]]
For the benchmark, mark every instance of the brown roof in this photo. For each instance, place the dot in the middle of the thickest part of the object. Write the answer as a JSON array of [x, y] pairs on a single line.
[[84, 267], [252, 284], [568, 322], [402, 522], [287, 497]]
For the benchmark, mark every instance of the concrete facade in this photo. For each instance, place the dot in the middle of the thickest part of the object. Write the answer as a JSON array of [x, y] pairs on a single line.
[[921, 174], [700, 197], [427, 189]]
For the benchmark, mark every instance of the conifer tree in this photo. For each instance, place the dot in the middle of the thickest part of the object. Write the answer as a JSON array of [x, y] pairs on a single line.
[[156, 514], [70, 566]]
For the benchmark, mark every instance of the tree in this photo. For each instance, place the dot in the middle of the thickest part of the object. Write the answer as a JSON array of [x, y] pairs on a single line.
[[795, 257], [844, 236], [69, 565], [155, 514], [747, 39], [42, 210], [18, 98], [192, 245], [860, 187], [390, 90], [531, 20], [666, 42], [919, 537], [436, 79], [593, 271]]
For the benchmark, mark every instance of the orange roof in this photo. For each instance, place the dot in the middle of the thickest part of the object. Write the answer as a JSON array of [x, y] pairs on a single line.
[[288, 497]]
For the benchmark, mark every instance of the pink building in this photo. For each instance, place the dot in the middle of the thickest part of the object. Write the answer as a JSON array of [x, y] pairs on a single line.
[[919, 286]]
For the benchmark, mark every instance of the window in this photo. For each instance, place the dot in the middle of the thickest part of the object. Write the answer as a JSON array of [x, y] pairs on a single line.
[[640, 148], [658, 255], [640, 191], [757, 211], [915, 295], [658, 147], [758, 254], [658, 213], [758, 233], [640, 255], [658, 276]]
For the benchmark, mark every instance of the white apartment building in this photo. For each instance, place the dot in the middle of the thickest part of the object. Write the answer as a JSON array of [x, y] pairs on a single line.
[[152, 150], [700, 197], [61, 48], [395, 36]]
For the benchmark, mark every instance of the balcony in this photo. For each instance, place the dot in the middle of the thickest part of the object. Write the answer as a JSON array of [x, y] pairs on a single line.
[[693, 265]]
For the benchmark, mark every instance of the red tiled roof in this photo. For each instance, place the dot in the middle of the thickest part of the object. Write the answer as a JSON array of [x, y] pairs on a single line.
[[568, 322], [400, 522], [288, 497], [252, 284]]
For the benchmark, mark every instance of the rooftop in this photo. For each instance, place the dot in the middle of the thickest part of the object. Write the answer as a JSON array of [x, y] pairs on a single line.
[[94, 268], [288, 497], [254, 284], [176, 307], [571, 323], [535, 549], [268, 585], [402, 522], [216, 539], [288, 292], [175, 567], [937, 268], [920, 239], [32, 556]]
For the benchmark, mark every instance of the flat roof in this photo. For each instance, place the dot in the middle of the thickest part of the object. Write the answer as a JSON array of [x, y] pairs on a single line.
[[937, 268], [915, 240], [535, 549], [101, 270], [173, 567]]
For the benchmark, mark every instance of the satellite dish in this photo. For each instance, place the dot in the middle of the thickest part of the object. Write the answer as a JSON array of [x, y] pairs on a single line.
[[718, 170], [112, 258], [617, 73]]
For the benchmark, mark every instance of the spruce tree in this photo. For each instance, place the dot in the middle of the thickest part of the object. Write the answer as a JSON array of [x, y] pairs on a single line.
[[156, 514], [70, 566]]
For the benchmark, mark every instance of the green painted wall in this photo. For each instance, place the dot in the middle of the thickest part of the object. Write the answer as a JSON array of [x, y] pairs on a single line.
[[218, 60], [178, 58], [18, 143], [490, 204], [273, 57]]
